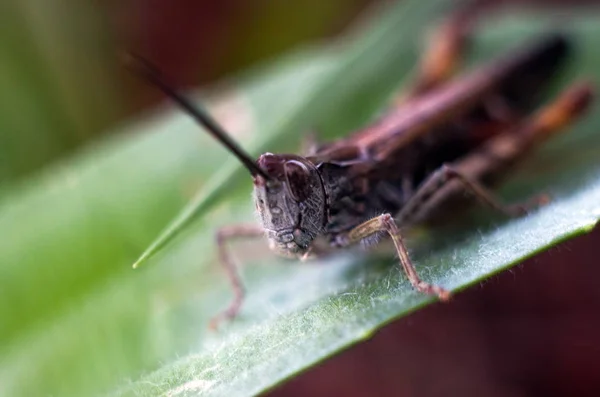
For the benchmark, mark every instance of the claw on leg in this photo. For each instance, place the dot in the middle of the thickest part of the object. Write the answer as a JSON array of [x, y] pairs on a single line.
[[231, 311]]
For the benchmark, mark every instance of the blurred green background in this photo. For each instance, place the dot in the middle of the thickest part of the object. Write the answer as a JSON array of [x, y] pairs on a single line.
[[71, 197], [61, 81]]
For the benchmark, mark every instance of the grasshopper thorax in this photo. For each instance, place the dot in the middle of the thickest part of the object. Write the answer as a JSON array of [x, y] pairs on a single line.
[[291, 202]]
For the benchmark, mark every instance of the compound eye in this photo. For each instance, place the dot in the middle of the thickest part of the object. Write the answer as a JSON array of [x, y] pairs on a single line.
[[298, 180]]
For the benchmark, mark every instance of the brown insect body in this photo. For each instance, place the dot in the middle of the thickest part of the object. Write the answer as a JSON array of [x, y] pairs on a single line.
[[378, 169], [447, 137]]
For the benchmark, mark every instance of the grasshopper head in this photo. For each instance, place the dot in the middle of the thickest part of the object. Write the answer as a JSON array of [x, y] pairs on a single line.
[[291, 202], [289, 193]]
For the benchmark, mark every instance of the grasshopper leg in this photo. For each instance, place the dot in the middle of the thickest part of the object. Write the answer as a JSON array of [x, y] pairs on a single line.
[[442, 55], [428, 196], [224, 235], [386, 223], [493, 158]]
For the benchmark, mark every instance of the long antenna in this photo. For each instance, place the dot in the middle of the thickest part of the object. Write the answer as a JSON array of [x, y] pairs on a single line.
[[145, 69]]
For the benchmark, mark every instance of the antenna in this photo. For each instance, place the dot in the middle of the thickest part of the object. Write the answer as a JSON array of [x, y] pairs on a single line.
[[149, 72]]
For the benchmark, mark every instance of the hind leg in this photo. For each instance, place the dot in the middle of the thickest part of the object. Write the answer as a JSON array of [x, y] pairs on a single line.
[[490, 161], [442, 55]]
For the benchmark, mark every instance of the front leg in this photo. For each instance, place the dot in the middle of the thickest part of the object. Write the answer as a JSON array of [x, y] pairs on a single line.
[[386, 223], [224, 235]]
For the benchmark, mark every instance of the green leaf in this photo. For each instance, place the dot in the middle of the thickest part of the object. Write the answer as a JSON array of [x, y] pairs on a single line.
[[54, 54], [76, 320]]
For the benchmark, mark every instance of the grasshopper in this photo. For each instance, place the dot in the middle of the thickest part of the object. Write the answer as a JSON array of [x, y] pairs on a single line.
[[445, 137]]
